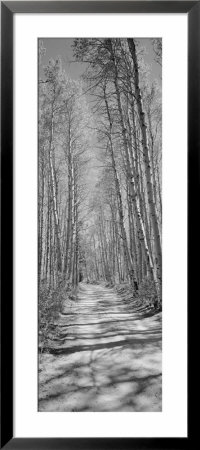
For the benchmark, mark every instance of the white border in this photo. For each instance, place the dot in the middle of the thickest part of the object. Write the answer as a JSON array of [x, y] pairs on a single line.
[[172, 422]]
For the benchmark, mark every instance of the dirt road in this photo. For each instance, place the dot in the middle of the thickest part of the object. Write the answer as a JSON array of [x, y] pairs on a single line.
[[106, 356]]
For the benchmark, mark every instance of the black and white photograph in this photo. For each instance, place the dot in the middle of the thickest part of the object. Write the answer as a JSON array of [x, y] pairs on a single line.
[[99, 224]]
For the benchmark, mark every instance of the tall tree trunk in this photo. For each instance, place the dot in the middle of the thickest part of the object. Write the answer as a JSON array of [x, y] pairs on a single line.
[[146, 157], [131, 178], [54, 198], [128, 261], [95, 258], [67, 261], [41, 224]]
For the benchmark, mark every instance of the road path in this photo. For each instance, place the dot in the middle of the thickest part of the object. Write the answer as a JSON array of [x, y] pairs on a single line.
[[106, 356]]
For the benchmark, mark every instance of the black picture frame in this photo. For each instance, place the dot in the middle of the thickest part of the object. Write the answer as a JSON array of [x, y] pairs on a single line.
[[8, 9]]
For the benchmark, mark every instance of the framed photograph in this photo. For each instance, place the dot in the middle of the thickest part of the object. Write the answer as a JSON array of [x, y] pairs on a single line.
[[100, 175]]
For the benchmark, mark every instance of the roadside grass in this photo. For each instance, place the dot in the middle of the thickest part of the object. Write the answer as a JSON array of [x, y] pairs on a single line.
[[50, 306]]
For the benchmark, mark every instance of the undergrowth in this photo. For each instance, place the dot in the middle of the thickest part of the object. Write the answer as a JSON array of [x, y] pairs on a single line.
[[145, 296], [49, 307]]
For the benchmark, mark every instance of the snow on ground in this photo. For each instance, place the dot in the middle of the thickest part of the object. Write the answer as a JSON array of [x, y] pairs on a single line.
[[106, 356]]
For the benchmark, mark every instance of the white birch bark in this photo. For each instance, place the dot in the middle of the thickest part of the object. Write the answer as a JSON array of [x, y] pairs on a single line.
[[146, 157]]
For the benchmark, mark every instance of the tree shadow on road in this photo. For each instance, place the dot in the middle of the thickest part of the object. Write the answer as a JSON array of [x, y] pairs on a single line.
[[103, 362]]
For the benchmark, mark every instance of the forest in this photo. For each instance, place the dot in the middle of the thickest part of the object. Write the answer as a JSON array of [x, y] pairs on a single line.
[[99, 195]]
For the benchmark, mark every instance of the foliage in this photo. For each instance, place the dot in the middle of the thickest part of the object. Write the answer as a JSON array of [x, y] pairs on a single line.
[[147, 293], [49, 308]]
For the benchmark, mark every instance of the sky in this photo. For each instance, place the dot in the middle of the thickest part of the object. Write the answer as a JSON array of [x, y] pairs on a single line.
[[62, 47]]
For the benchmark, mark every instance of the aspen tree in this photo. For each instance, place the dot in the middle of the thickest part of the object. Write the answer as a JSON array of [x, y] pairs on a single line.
[[147, 164]]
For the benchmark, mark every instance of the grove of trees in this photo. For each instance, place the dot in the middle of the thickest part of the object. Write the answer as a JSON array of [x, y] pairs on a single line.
[[108, 230]]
